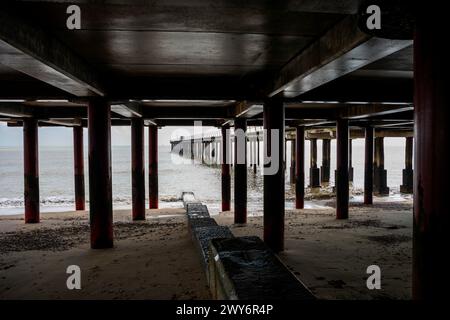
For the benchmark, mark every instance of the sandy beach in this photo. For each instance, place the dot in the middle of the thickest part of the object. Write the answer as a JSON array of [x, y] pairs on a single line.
[[153, 259], [156, 259], [331, 257]]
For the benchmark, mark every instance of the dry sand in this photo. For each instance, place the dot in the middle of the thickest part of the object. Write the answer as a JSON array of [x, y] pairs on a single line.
[[331, 257], [152, 259]]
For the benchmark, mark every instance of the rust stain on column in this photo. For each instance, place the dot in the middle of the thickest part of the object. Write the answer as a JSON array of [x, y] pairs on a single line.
[[100, 184], [31, 170], [300, 168], [274, 196], [137, 169], [153, 166], [342, 181], [78, 156]]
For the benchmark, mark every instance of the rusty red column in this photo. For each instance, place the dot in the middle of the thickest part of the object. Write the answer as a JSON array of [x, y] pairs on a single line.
[[100, 183], [153, 166], [368, 166], [300, 168], [78, 156], [240, 173], [31, 170], [342, 179], [226, 178], [432, 158], [274, 175], [137, 169]]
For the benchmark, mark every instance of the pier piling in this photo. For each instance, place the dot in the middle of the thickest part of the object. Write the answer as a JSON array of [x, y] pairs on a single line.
[[368, 166], [78, 156], [432, 157], [240, 174], [274, 196], [153, 166], [31, 170], [226, 178], [300, 167], [137, 169], [100, 184], [342, 181], [326, 161], [314, 171]]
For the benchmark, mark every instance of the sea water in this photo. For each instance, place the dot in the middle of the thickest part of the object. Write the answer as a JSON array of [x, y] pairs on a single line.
[[57, 183]]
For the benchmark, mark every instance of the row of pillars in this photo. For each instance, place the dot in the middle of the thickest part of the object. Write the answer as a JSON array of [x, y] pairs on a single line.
[[321, 176], [100, 175]]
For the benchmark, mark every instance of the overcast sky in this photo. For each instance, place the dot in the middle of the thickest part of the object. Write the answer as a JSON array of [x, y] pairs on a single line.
[[59, 136]]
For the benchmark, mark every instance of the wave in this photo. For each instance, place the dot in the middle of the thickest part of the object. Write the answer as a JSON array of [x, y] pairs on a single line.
[[62, 201]]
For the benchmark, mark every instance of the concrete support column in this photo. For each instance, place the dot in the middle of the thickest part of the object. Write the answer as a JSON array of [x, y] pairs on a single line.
[[226, 178], [432, 157], [100, 184], [78, 164], [240, 172], [314, 171], [326, 161], [342, 181], [274, 180], [31, 170], [368, 166], [300, 168], [137, 169], [407, 186], [292, 170], [379, 173], [153, 166]]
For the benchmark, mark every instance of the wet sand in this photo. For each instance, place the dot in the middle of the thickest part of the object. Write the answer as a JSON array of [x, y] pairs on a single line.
[[331, 256], [152, 259]]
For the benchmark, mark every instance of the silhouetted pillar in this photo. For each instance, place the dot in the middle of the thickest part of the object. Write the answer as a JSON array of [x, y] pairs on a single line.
[[78, 164], [379, 173], [342, 182], [226, 178], [192, 149], [240, 173], [137, 169], [314, 171], [432, 157], [368, 166], [100, 184], [300, 168], [274, 175], [407, 186], [153, 166], [326, 161], [292, 169], [31, 170], [350, 163]]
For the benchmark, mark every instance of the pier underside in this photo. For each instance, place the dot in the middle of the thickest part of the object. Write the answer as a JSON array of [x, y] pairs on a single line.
[[304, 68]]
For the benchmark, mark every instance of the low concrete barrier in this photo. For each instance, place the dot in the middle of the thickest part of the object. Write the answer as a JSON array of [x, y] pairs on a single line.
[[242, 268]]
